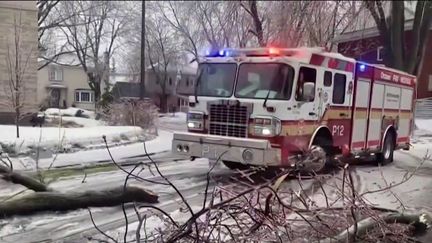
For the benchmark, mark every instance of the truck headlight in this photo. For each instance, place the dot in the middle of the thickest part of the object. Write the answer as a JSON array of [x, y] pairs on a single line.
[[266, 126], [195, 121]]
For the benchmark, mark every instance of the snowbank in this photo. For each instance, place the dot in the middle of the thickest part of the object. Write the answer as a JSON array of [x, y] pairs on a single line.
[[178, 116], [423, 124], [81, 121], [52, 137], [71, 111], [173, 123], [160, 144]]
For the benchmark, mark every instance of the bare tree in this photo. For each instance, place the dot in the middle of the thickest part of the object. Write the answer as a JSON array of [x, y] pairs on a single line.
[[179, 15], [398, 53], [19, 55], [161, 54], [49, 21], [330, 18], [92, 35], [258, 21]]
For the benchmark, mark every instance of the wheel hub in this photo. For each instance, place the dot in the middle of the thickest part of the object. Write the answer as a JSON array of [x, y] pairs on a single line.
[[312, 160]]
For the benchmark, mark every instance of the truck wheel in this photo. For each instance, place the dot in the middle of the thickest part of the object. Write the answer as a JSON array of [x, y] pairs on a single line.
[[386, 155], [235, 165], [321, 154]]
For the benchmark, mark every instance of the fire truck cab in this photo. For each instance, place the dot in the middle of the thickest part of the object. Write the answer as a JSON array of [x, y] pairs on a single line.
[[295, 108]]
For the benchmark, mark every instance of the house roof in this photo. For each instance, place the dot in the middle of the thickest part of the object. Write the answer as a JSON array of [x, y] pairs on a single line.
[[175, 68], [364, 25], [126, 90], [366, 33]]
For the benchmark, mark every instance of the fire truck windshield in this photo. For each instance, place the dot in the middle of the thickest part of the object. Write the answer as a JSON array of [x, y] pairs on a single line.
[[265, 81], [216, 79]]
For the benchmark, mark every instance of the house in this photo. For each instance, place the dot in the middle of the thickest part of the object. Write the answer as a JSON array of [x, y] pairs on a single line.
[[24, 15], [126, 90], [116, 77], [180, 84], [64, 84], [363, 43]]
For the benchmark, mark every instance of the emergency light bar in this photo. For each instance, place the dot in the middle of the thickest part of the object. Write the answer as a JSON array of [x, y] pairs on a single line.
[[230, 52], [249, 52]]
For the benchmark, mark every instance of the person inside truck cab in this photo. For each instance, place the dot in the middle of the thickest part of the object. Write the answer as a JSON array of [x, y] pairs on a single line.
[[305, 86]]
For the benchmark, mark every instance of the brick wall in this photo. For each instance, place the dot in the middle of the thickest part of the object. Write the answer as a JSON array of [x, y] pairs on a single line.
[[12, 12]]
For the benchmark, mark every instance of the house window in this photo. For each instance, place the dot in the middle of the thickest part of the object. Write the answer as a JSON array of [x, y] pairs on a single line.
[[187, 82], [55, 74], [339, 88], [380, 53], [86, 96], [170, 81], [430, 83]]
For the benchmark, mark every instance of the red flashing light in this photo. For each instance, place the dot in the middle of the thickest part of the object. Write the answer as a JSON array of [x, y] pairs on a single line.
[[274, 51]]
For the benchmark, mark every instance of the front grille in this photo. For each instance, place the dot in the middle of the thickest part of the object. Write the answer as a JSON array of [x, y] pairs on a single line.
[[228, 120]]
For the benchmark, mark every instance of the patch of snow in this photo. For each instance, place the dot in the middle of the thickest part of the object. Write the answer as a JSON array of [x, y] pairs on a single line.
[[50, 137], [176, 122], [424, 124], [85, 122], [176, 115], [161, 143], [71, 111]]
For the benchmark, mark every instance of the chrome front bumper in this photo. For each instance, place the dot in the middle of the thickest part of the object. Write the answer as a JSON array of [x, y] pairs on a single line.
[[226, 148]]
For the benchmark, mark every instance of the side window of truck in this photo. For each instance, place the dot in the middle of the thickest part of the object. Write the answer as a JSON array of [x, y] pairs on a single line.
[[327, 79], [306, 84], [339, 88]]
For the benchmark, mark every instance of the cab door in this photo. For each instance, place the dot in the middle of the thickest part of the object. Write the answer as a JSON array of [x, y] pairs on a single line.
[[338, 114], [306, 95]]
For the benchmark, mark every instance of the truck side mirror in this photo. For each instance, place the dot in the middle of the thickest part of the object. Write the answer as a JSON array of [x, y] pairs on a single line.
[[308, 91]]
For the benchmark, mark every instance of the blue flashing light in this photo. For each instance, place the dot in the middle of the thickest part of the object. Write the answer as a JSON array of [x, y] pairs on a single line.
[[208, 53], [362, 67], [221, 53]]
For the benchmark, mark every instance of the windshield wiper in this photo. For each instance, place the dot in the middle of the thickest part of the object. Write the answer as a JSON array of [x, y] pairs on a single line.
[[196, 86], [268, 93], [266, 98]]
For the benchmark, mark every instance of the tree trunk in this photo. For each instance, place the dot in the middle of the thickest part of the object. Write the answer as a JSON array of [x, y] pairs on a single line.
[[257, 23], [56, 201], [17, 115], [368, 224], [163, 101], [397, 36], [25, 180], [19, 178]]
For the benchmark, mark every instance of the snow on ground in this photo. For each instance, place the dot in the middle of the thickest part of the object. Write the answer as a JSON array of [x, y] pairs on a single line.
[[81, 121], [90, 137], [71, 111], [51, 137], [161, 143], [415, 194], [176, 122]]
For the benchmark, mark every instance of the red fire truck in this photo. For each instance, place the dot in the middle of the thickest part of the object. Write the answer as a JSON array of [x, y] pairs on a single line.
[[296, 107]]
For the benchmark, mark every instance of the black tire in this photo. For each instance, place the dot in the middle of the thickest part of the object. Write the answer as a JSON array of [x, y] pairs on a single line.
[[235, 165], [386, 155]]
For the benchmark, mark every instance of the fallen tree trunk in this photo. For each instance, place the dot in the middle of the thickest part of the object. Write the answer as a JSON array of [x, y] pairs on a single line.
[[419, 221], [25, 180], [56, 201]]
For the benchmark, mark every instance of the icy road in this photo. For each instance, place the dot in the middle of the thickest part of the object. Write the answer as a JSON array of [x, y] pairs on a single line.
[[190, 178]]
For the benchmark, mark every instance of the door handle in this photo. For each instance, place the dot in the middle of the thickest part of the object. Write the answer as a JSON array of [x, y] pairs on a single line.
[[343, 114], [312, 113]]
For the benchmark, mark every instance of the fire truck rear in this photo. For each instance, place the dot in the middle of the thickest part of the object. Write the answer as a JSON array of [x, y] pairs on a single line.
[[295, 108]]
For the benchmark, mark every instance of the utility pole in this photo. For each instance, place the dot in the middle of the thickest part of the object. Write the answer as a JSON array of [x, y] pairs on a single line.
[[142, 84]]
